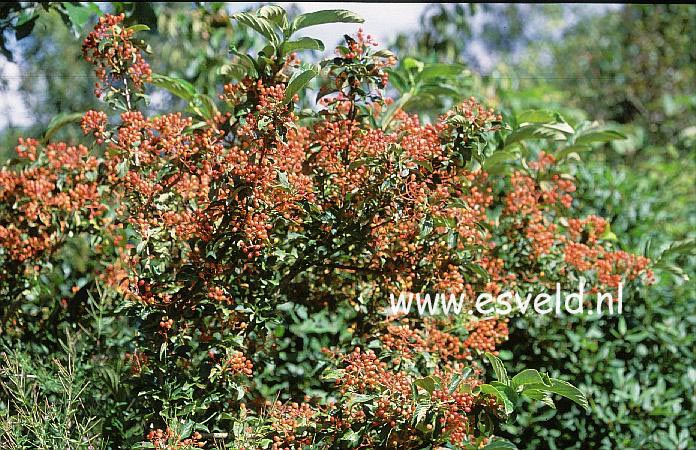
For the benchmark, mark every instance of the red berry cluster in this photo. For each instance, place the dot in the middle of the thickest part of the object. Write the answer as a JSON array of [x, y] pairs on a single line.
[[169, 440], [95, 122], [137, 361], [237, 363], [43, 199], [111, 49], [537, 210], [485, 335], [291, 423]]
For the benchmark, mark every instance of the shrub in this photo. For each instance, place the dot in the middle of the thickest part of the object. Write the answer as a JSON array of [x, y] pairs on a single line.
[[218, 233], [636, 369]]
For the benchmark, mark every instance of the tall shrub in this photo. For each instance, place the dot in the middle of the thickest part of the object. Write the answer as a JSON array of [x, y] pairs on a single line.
[[219, 231]]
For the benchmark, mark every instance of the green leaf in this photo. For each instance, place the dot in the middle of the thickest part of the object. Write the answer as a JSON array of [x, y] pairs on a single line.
[[502, 398], [480, 271], [530, 376], [674, 270], [535, 116], [684, 247], [275, 14], [268, 51], [428, 383], [78, 15], [59, 122], [326, 16], [426, 227], [498, 158], [304, 43], [298, 83], [204, 106], [437, 90], [240, 391], [499, 369], [608, 235], [138, 27], [360, 398], [599, 136], [352, 438], [236, 71], [26, 16], [421, 411], [569, 150], [187, 429], [331, 374], [410, 63], [247, 62], [21, 31], [506, 389], [258, 24], [425, 164], [398, 80], [181, 88], [111, 377], [457, 380], [384, 53], [562, 388], [560, 126], [283, 179], [500, 444], [553, 131], [442, 70], [538, 395]]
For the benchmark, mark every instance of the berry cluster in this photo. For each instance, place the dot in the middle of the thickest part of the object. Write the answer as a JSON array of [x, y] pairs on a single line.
[[291, 423], [237, 363], [539, 212], [169, 440], [40, 202], [116, 58]]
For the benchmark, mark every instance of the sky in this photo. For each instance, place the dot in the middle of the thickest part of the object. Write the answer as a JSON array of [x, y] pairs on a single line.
[[12, 109], [382, 20]]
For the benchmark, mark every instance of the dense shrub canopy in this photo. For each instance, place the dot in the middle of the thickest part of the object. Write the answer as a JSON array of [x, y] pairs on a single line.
[[214, 237]]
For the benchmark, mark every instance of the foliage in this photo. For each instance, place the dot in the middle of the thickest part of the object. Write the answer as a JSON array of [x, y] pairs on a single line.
[[475, 34], [62, 395], [20, 18], [36, 420], [649, 204], [224, 271], [216, 234], [648, 200], [636, 369], [632, 64]]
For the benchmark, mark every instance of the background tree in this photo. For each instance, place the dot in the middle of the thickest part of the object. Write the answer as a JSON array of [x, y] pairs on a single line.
[[635, 65]]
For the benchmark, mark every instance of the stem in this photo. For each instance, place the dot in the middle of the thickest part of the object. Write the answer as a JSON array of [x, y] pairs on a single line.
[[127, 92]]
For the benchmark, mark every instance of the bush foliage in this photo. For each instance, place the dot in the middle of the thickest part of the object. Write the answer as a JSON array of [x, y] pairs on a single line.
[[220, 275]]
